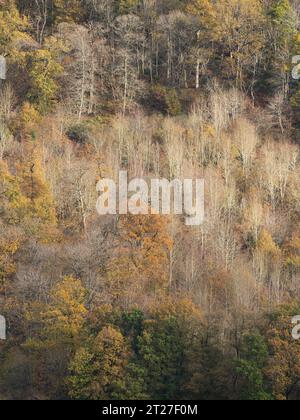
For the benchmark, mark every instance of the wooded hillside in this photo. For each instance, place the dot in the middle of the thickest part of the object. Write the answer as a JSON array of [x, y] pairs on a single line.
[[145, 307]]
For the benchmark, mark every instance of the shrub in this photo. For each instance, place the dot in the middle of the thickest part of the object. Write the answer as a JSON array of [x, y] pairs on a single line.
[[79, 133], [164, 100]]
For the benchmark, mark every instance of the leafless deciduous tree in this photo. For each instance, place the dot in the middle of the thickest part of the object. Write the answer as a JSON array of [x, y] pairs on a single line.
[[246, 140]]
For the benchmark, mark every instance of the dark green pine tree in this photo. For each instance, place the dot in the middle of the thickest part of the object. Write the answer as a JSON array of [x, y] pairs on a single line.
[[249, 369]]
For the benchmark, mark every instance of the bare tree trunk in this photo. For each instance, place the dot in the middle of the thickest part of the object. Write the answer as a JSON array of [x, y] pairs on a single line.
[[198, 74], [83, 81], [82, 206], [157, 60], [169, 71], [185, 79], [125, 84], [92, 88], [171, 269], [42, 7]]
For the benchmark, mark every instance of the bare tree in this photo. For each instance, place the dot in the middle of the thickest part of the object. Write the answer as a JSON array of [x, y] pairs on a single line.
[[84, 73], [246, 140], [5, 139], [280, 161], [127, 60], [174, 145], [42, 10], [7, 100]]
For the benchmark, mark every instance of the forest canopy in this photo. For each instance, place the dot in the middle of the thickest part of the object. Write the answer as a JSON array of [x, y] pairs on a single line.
[[145, 307]]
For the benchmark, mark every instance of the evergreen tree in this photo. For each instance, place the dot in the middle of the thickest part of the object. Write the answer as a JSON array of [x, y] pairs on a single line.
[[249, 368]]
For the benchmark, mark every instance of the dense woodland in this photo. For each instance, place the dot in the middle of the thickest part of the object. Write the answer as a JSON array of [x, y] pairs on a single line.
[[124, 307]]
